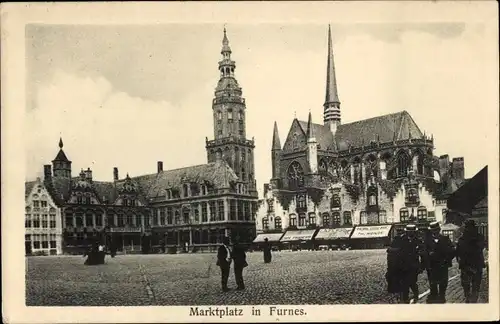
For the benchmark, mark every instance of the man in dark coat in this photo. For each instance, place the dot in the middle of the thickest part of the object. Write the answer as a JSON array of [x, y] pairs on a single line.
[[405, 263], [239, 258], [224, 262], [267, 251], [470, 259], [439, 255]]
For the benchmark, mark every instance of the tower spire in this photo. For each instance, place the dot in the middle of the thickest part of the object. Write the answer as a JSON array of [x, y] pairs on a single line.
[[310, 129], [276, 138], [61, 143], [331, 106]]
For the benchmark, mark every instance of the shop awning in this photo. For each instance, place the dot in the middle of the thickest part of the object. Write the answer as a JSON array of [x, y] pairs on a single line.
[[271, 237], [378, 231], [449, 227], [334, 233], [301, 235], [470, 194]]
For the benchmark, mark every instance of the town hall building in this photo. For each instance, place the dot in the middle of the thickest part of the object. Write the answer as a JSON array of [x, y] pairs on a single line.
[[374, 172], [187, 207]]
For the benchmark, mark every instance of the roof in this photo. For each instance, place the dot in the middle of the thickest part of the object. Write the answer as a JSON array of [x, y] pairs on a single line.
[[272, 237], [61, 156], [470, 193], [385, 128], [28, 186]]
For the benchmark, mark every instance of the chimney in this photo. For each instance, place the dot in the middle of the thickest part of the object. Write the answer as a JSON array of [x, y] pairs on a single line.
[[47, 173], [160, 166], [88, 174], [457, 168], [115, 174]]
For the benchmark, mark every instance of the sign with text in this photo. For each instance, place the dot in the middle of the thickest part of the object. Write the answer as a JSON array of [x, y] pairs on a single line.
[[125, 229], [371, 231], [334, 233], [304, 235]]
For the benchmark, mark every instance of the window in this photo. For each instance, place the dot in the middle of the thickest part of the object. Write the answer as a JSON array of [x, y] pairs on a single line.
[[53, 243], [363, 218], [270, 205], [45, 241], [301, 201], [185, 215], [240, 210], [295, 175], [43, 203], [79, 200], [293, 220], [382, 217], [230, 114], [98, 220], [146, 221], [336, 218], [36, 221], [111, 220], [347, 218], [403, 215], [89, 221], [402, 165], [277, 222], [120, 220], [52, 221], [322, 168], [232, 209], [335, 201], [422, 213], [169, 215], [265, 224], [196, 214], [372, 200], [240, 115], [212, 210], [312, 219], [302, 219], [221, 209], [326, 220], [177, 217], [204, 214], [138, 220], [130, 220], [162, 216], [246, 205], [36, 241], [36, 203], [27, 221], [185, 189], [219, 115], [444, 212]]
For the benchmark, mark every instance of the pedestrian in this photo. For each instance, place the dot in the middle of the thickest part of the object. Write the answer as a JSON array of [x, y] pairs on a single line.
[[404, 264], [101, 254], [239, 258], [112, 248], [470, 259], [267, 251], [439, 255], [224, 262]]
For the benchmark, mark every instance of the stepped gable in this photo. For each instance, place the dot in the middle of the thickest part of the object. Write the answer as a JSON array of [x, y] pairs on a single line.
[[28, 186]]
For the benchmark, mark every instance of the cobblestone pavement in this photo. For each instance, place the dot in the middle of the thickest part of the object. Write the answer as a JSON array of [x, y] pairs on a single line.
[[305, 277]]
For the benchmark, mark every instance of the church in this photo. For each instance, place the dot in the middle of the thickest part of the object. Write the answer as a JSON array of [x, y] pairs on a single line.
[[188, 208], [376, 172]]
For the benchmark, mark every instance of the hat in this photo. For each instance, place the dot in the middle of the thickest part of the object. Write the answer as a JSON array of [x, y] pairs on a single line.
[[434, 226], [410, 228]]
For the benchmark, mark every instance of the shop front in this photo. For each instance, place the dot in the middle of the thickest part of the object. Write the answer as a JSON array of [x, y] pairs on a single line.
[[298, 240], [370, 237], [333, 238], [126, 239], [272, 238]]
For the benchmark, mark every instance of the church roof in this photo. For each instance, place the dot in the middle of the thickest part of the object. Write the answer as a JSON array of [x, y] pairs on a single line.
[[385, 128], [61, 156]]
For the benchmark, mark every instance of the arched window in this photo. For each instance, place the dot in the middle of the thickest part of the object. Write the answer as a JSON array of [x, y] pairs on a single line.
[[335, 201], [363, 218], [372, 199], [402, 164], [347, 218], [382, 217], [295, 175], [265, 224], [293, 220], [326, 220], [302, 219], [277, 222], [196, 214], [301, 202], [336, 218], [322, 168], [419, 163], [404, 215], [312, 219], [422, 213]]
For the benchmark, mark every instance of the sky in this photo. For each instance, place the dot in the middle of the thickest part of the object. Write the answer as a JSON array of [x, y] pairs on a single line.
[[128, 96]]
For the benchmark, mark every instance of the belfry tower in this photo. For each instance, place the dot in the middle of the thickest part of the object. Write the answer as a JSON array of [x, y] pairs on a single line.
[[229, 115]]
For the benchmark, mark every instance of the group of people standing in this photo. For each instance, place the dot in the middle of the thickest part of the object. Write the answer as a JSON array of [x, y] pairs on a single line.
[[96, 252], [409, 255]]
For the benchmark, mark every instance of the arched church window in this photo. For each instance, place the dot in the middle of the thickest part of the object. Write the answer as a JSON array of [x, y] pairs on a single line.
[[402, 165], [323, 168], [419, 164], [295, 175]]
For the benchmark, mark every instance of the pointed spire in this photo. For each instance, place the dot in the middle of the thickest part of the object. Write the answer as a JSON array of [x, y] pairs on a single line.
[[331, 80], [225, 43], [310, 128], [61, 143], [276, 138]]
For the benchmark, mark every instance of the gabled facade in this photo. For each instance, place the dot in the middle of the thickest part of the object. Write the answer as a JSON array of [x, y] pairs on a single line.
[[380, 170], [190, 206], [43, 226]]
